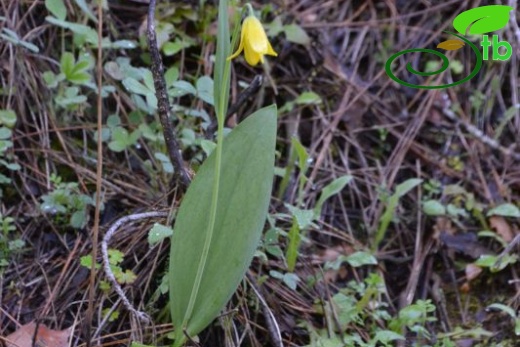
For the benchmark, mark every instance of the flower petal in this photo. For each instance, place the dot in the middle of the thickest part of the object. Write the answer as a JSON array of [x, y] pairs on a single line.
[[256, 36], [270, 50], [240, 46], [252, 57]]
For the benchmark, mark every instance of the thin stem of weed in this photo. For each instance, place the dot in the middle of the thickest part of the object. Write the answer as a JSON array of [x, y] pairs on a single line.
[[99, 174]]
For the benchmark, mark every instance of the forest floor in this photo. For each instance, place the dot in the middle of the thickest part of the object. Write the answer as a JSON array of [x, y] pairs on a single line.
[[404, 250]]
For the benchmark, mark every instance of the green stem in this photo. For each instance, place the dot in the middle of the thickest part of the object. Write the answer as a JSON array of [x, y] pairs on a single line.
[[250, 9]]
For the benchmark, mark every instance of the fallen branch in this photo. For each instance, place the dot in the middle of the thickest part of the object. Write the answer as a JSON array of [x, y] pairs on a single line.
[[106, 263], [163, 104]]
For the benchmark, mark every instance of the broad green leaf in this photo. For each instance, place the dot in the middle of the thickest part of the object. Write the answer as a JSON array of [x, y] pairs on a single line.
[[113, 121], [120, 140], [165, 162], [148, 79], [78, 220], [303, 217], [10, 166], [296, 34], [205, 89], [70, 100], [494, 263], [123, 44], [207, 146], [86, 10], [358, 259], [137, 344], [331, 189], [294, 245], [308, 98], [290, 279], [183, 88], [81, 65], [387, 336], [505, 210], [302, 155], [4, 179], [158, 233], [245, 190], [506, 309], [275, 27], [79, 78], [171, 75], [80, 29], [171, 48], [57, 8], [455, 211], [120, 134], [5, 133], [406, 186], [67, 63], [12, 37], [481, 20], [134, 86], [434, 208], [7, 118]]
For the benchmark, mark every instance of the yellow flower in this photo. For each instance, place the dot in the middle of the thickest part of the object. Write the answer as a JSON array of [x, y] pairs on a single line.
[[253, 41]]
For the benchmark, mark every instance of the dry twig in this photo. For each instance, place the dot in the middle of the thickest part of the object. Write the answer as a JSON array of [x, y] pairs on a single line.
[[163, 105], [142, 316]]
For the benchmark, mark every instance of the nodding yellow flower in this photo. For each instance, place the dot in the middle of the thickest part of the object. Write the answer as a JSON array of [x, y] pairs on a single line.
[[253, 41]]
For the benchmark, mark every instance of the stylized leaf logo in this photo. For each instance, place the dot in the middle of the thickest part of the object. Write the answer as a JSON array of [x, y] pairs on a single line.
[[482, 19], [451, 45]]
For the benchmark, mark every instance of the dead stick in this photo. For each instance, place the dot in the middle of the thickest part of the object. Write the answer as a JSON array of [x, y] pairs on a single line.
[[163, 104], [106, 261]]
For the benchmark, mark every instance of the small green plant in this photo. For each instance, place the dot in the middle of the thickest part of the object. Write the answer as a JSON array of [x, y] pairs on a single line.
[[110, 314], [510, 312], [115, 259], [8, 244], [7, 122], [293, 32], [301, 218], [415, 317], [392, 202], [304, 99], [360, 306], [66, 203]]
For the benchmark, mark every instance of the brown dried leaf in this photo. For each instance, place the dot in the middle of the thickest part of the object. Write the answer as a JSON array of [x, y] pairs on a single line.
[[46, 337], [502, 227], [466, 243], [465, 288], [451, 45], [472, 271], [332, 253]]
